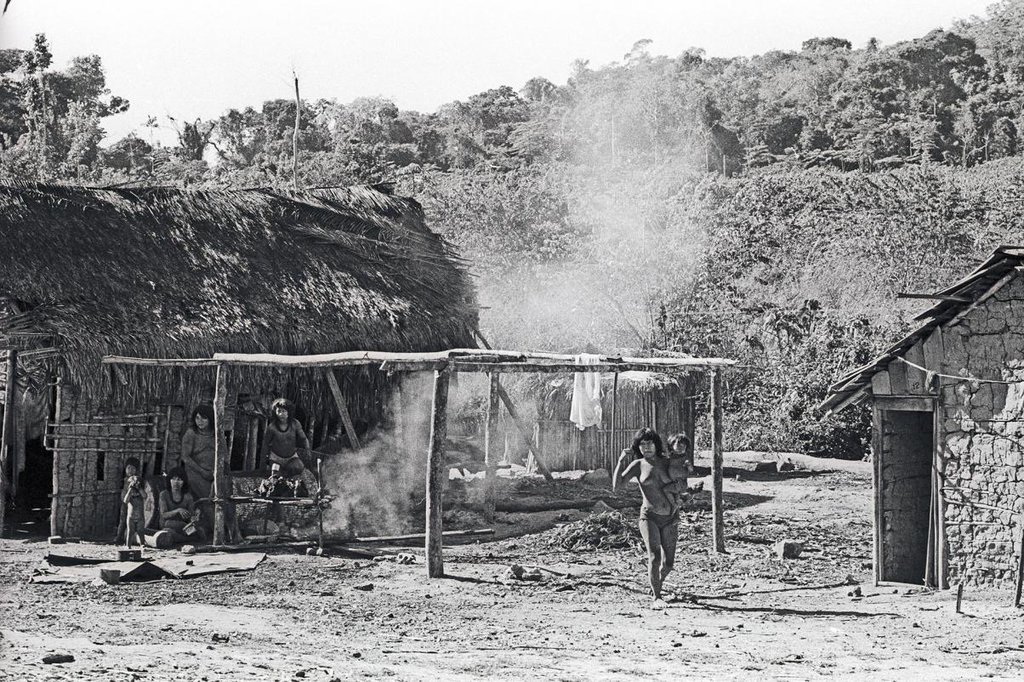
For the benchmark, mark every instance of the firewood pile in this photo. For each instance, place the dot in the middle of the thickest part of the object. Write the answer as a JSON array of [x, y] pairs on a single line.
[[605, 530]]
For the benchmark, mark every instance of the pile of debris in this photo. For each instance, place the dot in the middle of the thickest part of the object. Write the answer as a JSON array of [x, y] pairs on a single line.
[[606, 530]]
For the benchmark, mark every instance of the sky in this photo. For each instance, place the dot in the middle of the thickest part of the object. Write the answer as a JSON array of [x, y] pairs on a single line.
[[197, 58]]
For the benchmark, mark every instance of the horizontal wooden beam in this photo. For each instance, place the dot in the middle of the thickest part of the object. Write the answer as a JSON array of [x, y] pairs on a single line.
[[934, 297], [908, 403], [159, 362], [460, 359]]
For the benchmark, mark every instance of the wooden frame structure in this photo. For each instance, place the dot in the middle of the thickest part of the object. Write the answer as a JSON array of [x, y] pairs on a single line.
[[443, 364]]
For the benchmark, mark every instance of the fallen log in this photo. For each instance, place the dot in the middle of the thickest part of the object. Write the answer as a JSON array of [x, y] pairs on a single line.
[[255, 546], [420, 536]]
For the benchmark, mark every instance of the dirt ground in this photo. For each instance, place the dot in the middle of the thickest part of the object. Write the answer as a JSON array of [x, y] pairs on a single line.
[[744, 614]]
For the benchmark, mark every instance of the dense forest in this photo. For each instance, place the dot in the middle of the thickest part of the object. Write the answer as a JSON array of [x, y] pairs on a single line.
[[766, 208]]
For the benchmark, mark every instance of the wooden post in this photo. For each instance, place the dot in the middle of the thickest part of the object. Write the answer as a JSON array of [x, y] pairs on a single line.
[[877, 518], [1020, 571], [7, 435], [221, 485], [58, 400], [436, 472], [295, 135], [718, 532], [490, 449], [339, 399], [523, 432], [613, 456]]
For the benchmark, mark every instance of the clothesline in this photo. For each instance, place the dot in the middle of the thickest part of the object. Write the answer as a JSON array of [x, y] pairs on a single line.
[[956, 376]]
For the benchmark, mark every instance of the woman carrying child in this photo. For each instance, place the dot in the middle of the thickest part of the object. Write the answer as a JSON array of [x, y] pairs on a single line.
[[646, 462]]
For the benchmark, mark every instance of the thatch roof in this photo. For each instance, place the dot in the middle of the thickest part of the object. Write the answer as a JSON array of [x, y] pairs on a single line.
[[955, 300], [179, 273]]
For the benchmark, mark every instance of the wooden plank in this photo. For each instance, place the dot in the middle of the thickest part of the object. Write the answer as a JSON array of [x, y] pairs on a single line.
[[898, 377], [934, 351], [490, 447], [908, 403], [524, 433], [984, 297], [220, 458], [717, 502], [436, 472], [876, 484], [55, 504], [879, 384], [915, 376], [342, 404]]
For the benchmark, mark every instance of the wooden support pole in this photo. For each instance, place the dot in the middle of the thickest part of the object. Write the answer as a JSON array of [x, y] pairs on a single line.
[[221, 483], [346, 418], [436, 472], [718, 532], [7, 436], [613, 456], [877, 520], [524, 433], [1020, 571], [55, 503], [490, 447]]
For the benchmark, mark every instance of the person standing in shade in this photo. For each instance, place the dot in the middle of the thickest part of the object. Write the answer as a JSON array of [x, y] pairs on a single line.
[[646, 462], [284, 439], [197, 456]]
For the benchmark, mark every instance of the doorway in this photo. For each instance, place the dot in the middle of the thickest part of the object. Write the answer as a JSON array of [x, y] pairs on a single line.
[[905, 497]]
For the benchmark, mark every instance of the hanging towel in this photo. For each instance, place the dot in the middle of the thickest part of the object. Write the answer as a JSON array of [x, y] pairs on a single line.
[[586, 395]]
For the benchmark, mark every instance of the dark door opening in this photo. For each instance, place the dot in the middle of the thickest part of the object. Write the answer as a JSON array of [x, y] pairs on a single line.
[[906, 495], [35, 482]]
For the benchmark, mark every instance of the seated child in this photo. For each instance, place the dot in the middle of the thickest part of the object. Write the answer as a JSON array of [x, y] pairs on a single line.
[[178, 513], [680, 466], [135, 502]]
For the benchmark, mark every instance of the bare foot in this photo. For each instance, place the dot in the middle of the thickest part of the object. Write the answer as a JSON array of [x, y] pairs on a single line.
[[658, 604]]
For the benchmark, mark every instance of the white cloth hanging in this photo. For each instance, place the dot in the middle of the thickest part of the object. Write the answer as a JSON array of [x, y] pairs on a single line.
[[586, 394]]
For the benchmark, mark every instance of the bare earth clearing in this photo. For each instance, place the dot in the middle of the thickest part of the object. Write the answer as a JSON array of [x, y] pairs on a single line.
[[745, 614]]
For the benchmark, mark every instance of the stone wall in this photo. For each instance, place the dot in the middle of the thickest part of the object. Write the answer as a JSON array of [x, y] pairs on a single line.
[[982, 440]]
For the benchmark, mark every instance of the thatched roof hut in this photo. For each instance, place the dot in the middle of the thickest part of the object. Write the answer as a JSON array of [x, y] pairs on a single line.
[[163, 273], [175, 273]]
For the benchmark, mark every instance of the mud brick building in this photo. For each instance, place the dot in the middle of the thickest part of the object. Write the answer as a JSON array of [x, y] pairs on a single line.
[[948, 434], [168, 273]]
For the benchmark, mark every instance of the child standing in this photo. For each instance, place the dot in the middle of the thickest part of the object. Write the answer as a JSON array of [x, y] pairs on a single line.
[[135, 502]]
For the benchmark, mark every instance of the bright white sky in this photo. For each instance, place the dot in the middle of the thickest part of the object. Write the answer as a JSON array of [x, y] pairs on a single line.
[[197, 58]]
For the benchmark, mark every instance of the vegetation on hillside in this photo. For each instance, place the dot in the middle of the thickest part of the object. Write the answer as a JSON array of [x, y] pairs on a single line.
[[766, 208]]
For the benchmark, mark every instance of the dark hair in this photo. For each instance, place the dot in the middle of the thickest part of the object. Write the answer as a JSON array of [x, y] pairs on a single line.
[[646, 434], [286, 404], [677, 438], [177, 472], [205, 410], [133, 461]]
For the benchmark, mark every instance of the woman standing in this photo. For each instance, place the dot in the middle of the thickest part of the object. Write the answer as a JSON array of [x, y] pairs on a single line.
[[197, 455], [646, 462]]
